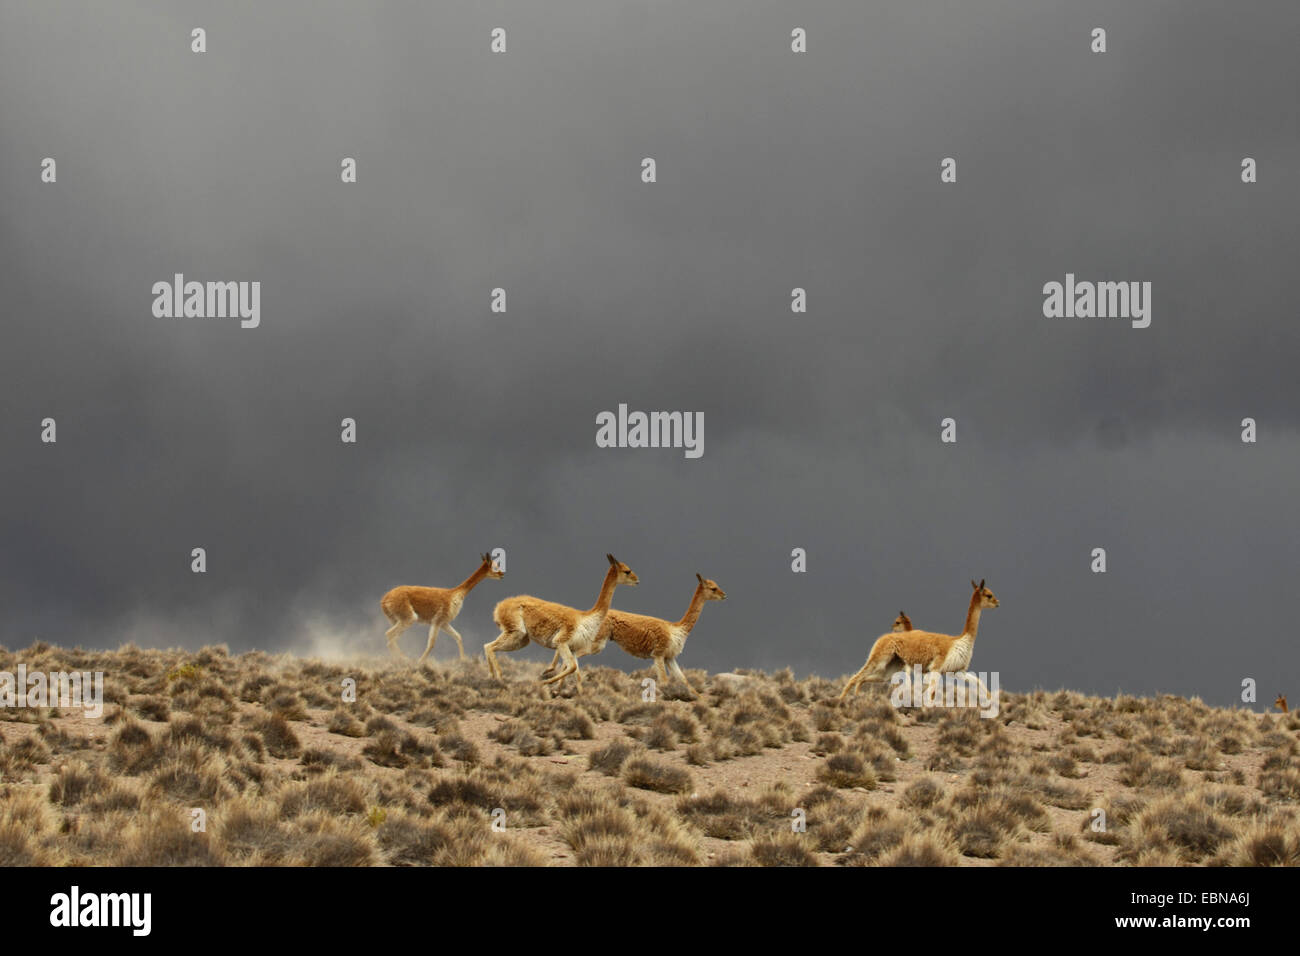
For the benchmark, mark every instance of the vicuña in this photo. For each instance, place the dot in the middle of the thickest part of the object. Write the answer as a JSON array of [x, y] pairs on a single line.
[[653, 638], [568, 631], [940, 653], [437, 607]]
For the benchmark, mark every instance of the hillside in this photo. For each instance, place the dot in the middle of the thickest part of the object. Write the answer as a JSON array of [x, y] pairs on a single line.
[[411, 773]]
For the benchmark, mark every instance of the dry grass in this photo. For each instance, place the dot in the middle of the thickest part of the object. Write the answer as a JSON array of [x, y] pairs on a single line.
[[443, 766]]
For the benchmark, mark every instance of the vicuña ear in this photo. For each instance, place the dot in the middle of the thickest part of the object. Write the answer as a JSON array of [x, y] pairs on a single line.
[[611, 559], [981, 582], [698, 578], [973, 584]]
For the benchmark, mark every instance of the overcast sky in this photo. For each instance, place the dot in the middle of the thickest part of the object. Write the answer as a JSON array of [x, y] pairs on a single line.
[[775, 170]]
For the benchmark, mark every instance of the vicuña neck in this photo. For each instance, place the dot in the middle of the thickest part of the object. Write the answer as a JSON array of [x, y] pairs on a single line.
[[972, 617], [468, 584], [693, 612], [606, 591]]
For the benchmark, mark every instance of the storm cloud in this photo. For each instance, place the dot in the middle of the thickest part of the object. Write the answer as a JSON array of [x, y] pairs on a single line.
[[776, 170]]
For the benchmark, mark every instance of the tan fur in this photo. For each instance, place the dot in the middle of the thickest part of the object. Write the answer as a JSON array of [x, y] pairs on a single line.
[[437, 607], [1280, 704], [653, 638], [569, 632], [936, 653], [902, 622]]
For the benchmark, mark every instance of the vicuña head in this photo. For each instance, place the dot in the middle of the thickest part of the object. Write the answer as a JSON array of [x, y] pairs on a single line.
[[985, 595], [1280, 704], [709, 588], [625, 574], [902, 622], [940, 653], [566, 630], [437, 607]]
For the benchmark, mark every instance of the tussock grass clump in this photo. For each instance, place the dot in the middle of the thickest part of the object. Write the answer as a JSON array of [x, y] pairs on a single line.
[[1142, 772], [785, 849], [410, 840], [333, 793], [523, 795], [75, 782], [922, 794], [880, 831], [316, 760], [609, 759], [458, 747], [723, 817], [152, 707], [132, 749], [1120, 811], [321, 840], [182, 731], [250, 831], [602, 840], [1280, 783], [19, 847], [921, 849], [279, 737], [983, 830], [1061, 852], [386, 749], [26, 819], [164, 838], [517, 734], [846, 770], [1055, 793], [345, 724], [378, 724], [25, 755], [827, 744], [193, 775], [1262, 845], [1181, 827], [647, 774]]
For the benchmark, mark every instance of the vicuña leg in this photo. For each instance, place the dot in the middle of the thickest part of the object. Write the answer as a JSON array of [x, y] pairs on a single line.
[[570, 665], [854, 682], [559, 686], [400, 624], [506, 641], [433, 638], [677, 672], [551, 667], [874, 670], [459, 643]]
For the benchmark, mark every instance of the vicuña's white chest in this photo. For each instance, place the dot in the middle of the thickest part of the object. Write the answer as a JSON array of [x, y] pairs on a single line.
[[456, 601], [676, 641], [585, 633], [959, 655]]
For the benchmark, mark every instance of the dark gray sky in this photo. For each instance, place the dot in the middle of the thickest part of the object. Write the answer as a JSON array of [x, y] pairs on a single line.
[[775, 170]]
